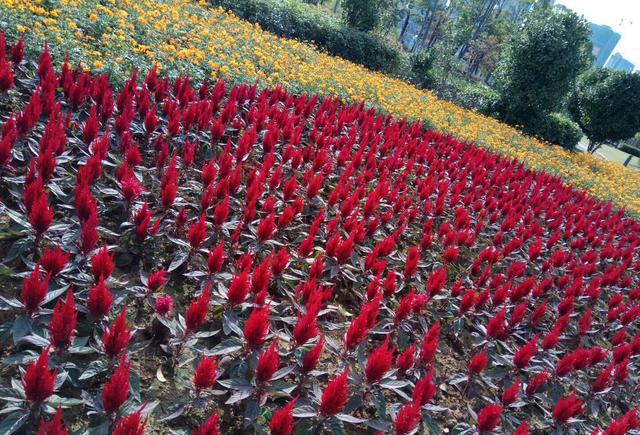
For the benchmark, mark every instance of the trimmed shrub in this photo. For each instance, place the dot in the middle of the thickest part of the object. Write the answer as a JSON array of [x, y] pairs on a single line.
[[558, 129]]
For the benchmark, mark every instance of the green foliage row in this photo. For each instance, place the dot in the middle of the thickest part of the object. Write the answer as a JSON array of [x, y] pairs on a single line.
[[558, 128], [299, 21]]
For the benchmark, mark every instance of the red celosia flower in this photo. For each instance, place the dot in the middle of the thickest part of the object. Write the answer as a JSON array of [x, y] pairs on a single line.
[[603, 381], [407, 419], [335, 395], [116, 390], [424, 390], [197, 311], [496, 327], [132, 424], [510, 394], [257, 326], [411, 265], [55, 426], [38, 381], [280, 261], [566, 408], [100, 300], [221, 212], [131, 187], [478, 363], [116, 337], [436, 281], [102, 264], [266, 227], [197, 233], [451, 254], [238, 289], [63, 323], [525, 353], [54, 260], [164, 305], [268, 364], [523, 429], [210, 427], [489, 418], [282, 421], [41, 215], [405, 360], [206, 373], [17, 51], [310, 360], [306, 328], [6, 75], [157, 279], [379, 363], [34, 290], [537, 382], [216, 258], [261, 276], [356, 332]]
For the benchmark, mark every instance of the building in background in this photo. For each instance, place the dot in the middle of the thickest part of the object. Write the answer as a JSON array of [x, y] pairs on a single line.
[[604, 40], [619, 63]]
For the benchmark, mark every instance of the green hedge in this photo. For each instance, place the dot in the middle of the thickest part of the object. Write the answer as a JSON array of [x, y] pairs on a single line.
[[559, 129], [293, 19]]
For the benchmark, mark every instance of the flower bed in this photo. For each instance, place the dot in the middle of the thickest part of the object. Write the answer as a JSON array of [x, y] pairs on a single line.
[[251, 260], [189, 37]]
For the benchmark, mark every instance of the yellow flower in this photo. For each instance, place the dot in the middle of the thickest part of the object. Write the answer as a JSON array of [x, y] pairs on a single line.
[[93, 17], [98, 64]]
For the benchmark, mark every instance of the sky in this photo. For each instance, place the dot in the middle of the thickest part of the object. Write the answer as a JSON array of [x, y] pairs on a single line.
[[623, 16]]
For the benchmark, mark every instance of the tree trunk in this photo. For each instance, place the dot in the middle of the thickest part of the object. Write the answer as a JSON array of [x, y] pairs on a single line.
[[628, 160], [477, 29], [405, 25], [336, 5], [593, 147]]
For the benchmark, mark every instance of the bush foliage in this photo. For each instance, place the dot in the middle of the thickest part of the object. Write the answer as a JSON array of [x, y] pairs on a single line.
[[291, 19]]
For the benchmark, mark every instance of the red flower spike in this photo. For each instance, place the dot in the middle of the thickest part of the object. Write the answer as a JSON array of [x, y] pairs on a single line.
[[115, 338], [567, 408], [282, 421], [407, 419], [100, 300], [489, 418], [132, 424], [311, 359], [537, 382], [34, 290], [210, 427], [238, 289], [116, 390], [198, 310], [510, 394], [216, 258], [102, 264], [523, 429], [38, 380], [306, 328], [523, 355], [54, 260], [63, 323], [478, 363], [268, 364], [157, 280], [257, 326], [424, 390], [41, 215], [406, 360], [335, 395], [55, 426], [379, 363], [197, 233], [206, 374]]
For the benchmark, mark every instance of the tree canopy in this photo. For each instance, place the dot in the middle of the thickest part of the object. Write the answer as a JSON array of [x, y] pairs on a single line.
[[605, 105]]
